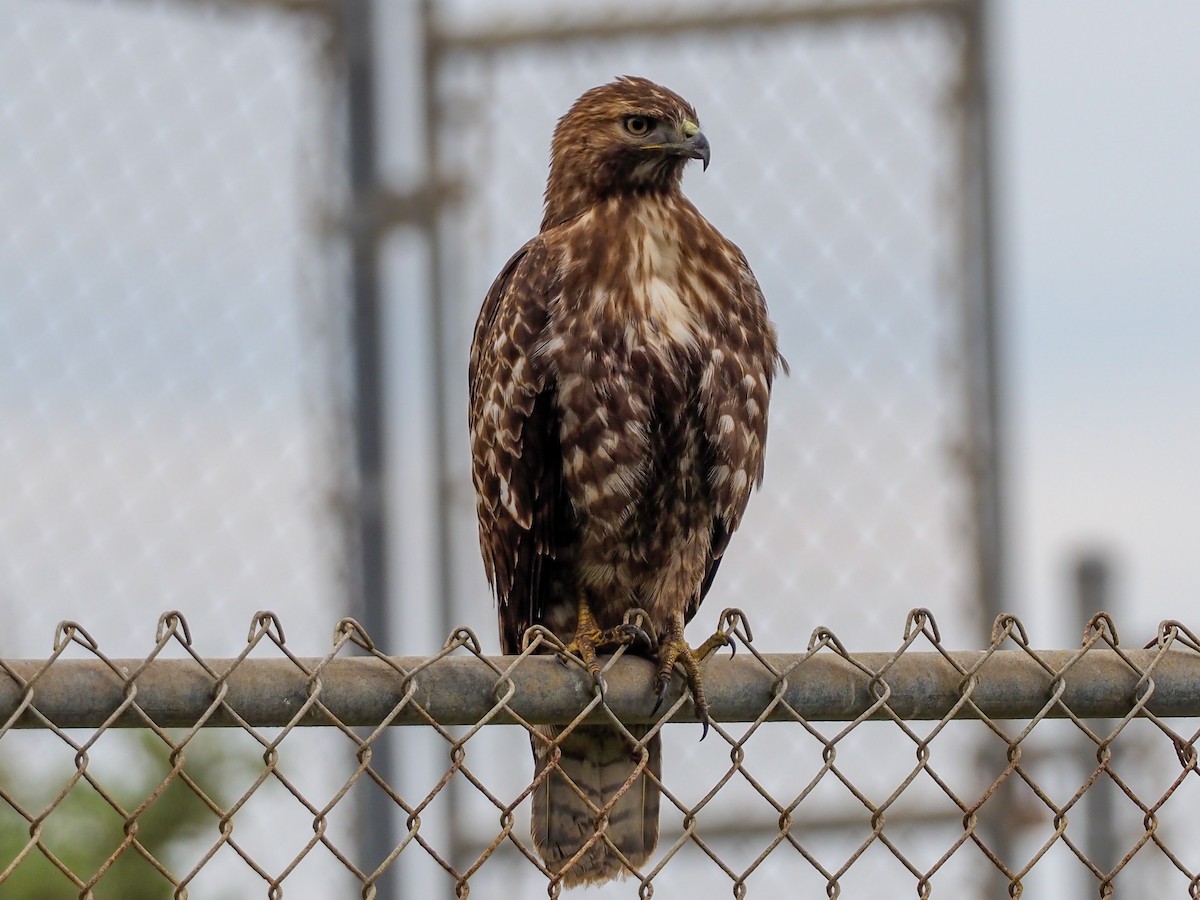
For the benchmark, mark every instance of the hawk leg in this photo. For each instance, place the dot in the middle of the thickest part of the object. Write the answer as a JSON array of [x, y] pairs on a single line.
[[589, 639], [672, 648]]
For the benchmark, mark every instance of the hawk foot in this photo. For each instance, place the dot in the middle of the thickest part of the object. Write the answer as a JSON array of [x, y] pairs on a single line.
[[674, 649], [589, 639]]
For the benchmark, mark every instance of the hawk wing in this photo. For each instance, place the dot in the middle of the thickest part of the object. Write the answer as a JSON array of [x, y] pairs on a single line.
[[516, 459], [735, 390]]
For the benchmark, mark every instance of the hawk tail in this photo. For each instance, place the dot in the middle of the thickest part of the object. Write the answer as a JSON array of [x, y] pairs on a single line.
[[598, 760]]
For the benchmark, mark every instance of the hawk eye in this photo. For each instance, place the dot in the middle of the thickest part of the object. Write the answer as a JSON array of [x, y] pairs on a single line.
[[638, 125]]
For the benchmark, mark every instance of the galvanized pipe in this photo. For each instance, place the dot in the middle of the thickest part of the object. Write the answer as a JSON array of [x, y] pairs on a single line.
[[686, 21], [463, 689]]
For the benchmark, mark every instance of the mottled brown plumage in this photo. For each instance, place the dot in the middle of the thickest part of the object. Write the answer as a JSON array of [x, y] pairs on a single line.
[[620, 375]]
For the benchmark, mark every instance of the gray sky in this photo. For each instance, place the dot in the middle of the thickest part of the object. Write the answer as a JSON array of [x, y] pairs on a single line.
[[1099, 201]]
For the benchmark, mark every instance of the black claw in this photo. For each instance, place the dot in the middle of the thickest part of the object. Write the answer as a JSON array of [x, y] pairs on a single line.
[[732, 649], [704, 725], [637, 634], [660, 693], [599, 683]]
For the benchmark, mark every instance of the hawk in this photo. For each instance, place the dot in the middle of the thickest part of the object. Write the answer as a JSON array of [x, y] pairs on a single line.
[[620, 373]]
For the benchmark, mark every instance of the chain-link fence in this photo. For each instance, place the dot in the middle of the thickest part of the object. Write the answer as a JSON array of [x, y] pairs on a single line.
[[175, 367], [848, 166], [174, 356], [916, 814], [173, 352]]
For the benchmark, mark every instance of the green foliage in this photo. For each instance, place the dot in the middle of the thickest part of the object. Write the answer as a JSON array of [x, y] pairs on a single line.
[[84, 831]]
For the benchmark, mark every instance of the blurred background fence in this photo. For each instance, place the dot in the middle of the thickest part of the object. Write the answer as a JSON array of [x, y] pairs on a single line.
[[242, 247]]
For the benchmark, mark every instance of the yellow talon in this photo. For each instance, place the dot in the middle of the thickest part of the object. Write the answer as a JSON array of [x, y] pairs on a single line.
[[672, 649], [588, 639]]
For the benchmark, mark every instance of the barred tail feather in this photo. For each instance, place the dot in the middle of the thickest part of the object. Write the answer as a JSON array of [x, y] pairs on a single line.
[[598, 759]]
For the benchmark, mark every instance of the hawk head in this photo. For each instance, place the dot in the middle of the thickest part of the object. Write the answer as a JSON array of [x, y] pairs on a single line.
[[626, 137]]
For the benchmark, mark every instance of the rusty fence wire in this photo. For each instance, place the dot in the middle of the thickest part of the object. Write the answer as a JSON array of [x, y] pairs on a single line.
[[1135, 711]]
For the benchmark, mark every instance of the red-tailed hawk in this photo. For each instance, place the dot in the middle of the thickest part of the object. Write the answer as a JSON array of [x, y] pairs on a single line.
[[620, 374]]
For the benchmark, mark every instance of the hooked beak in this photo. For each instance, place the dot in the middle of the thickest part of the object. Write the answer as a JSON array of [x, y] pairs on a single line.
[[697, 147], [690, 142]]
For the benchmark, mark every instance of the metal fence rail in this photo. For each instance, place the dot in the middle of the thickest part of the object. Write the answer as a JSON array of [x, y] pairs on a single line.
[[1114, 699]]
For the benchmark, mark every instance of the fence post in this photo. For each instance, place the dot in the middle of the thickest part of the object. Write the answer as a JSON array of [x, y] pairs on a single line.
[[370, 591], [1092, 595]]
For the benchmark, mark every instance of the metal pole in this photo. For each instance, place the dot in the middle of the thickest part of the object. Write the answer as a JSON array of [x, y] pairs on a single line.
[[981, 361], [1093, 595], [982, 331], [462, 689], [377, 827], [443, 474], [684, 21], [437, 187]]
